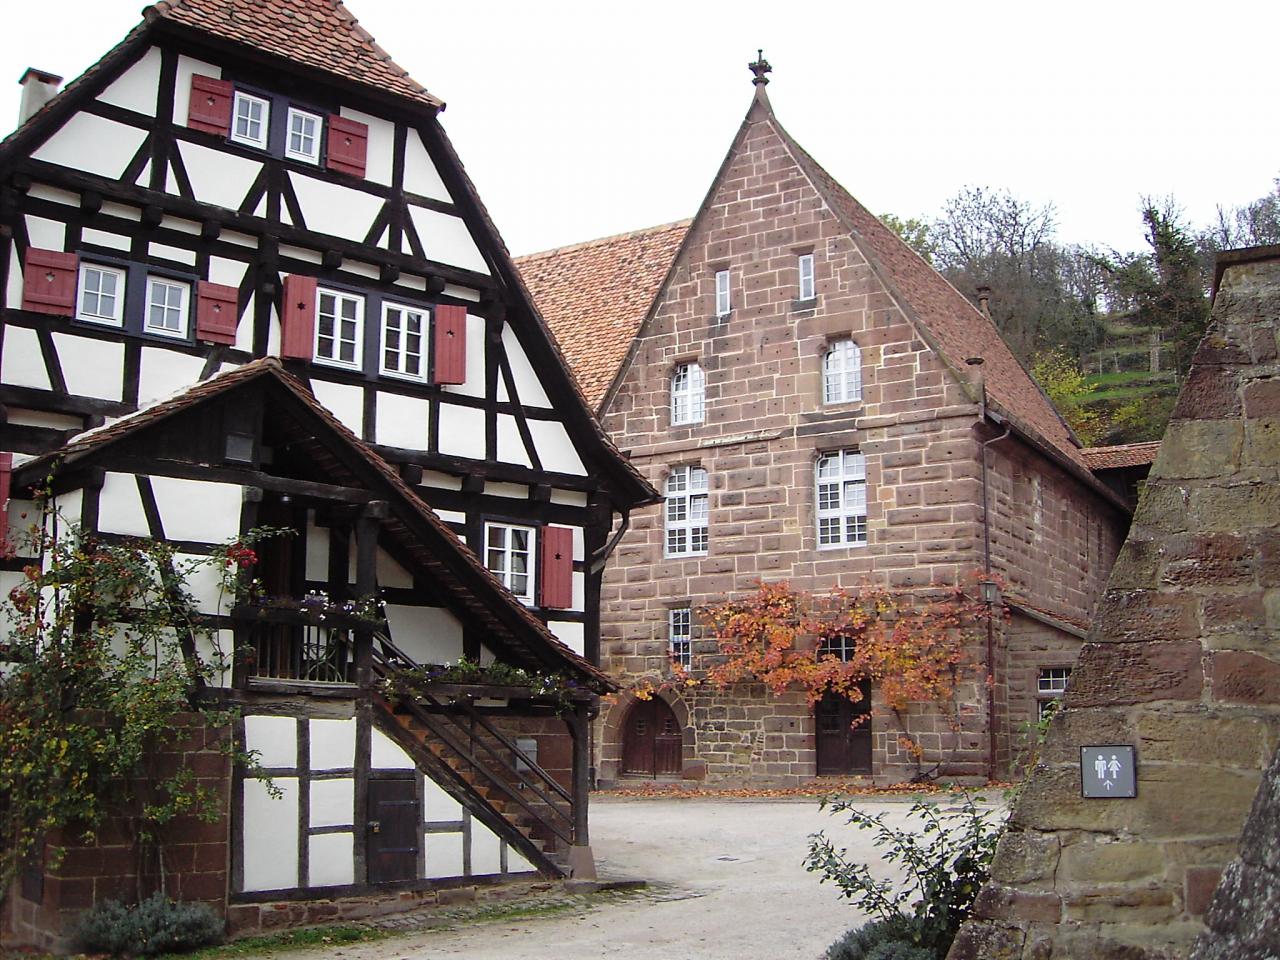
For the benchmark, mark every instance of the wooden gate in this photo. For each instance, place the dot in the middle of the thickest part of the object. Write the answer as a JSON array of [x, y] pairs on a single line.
[[395, 830], [844, 734], [651, 741]]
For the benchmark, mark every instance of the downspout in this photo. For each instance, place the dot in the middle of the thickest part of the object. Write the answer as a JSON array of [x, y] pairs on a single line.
[[602, 556]]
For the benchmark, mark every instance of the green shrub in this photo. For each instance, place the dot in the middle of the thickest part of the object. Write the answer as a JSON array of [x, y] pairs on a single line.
[[862, 942], [898, 950], [156, 925]]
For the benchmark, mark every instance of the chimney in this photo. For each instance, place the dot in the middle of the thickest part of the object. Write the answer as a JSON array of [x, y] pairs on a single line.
[[38, 88], [984, 300], [978, 380]]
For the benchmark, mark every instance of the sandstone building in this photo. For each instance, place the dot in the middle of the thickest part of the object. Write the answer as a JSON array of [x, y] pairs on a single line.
[[804, 390]]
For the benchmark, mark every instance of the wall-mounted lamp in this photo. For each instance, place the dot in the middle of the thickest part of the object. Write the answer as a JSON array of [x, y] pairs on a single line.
[[990, 592]]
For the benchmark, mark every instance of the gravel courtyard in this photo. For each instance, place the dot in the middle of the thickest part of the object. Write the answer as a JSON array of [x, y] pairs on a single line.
[[728, 884]]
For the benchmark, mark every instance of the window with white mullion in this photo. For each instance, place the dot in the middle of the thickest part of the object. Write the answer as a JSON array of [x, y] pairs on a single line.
[[680, 635], [841, 499], [166, 307], [302, 140], [808, 289], [404, 342], [687, 512], [509, 553], [688, 394], [842, 373], [723, 302], [339, 328], [250, 117], [101, 298], [1051, 684]]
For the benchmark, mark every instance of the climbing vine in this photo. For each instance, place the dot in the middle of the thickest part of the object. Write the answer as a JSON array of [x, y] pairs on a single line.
[[101, 674]]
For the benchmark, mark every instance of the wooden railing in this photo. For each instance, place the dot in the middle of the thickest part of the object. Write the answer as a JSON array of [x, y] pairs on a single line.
[[301, 645]]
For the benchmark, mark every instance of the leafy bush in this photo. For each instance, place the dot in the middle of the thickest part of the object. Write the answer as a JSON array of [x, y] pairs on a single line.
[[897, 950], [157, 925], [862, 943], [946, 860]]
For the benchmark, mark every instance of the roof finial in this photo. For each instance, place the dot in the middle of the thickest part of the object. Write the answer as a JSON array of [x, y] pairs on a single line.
[[760, 68]]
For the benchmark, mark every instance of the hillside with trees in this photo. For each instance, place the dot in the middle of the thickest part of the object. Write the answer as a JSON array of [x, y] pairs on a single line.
[[1107, 333]]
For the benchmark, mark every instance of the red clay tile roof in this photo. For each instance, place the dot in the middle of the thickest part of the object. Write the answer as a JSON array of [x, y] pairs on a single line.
[[318, 33], [1124, 455], [595, 295]]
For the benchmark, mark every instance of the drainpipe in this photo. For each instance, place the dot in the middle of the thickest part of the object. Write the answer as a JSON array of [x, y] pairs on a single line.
[[601, 557]]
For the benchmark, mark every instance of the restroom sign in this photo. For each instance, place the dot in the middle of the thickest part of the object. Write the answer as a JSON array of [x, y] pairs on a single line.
[[1108, 772]]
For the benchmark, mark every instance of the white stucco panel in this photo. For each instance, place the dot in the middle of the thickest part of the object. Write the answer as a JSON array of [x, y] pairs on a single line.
[[516, 863], [317, 550], [92, 144], [92, 368], [381, 149], [274, 738], [344, 401], [390, 573], [330, 862], [103, 238], [164, 251], [555, 448], [23, 363], [137, 87], [333, 744], [333, 802], [13, 288], [228, 272], [385, 754], [218, 178], [270, 853], [443, 855], [46, 234], [402, 420], [528, 384], [461, 431], [486, 850], [43, 191], [446, 239], [334, 209], [437, 805], [164, 373], [244, 332], [511, 448], [429, 635], [187, 66], [420, 173], [120, 506], [204, 582], [214, 651], [198, 510], [570, 634]]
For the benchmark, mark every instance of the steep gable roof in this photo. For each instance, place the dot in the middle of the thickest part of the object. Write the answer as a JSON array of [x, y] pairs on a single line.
[[441, 551], [595, 295]]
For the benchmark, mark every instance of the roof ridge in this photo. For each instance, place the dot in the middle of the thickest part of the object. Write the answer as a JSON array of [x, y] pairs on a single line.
[[610, 238]]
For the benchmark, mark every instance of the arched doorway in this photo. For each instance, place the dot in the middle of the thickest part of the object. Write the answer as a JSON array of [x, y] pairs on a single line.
[[844, 733], [651, 741]]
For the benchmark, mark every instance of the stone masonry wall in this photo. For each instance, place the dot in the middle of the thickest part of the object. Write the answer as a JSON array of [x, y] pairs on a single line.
[[1183, 663]]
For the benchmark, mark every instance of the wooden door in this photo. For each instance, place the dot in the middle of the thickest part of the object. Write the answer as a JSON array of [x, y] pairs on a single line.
[[651, 741], [844, 734], [395, 830]]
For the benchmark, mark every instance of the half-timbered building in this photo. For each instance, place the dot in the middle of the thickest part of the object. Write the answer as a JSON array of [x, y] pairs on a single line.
[[246, 282], [819, 406]]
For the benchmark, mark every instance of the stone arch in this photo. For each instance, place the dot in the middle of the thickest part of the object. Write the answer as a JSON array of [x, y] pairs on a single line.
[[613, 724]]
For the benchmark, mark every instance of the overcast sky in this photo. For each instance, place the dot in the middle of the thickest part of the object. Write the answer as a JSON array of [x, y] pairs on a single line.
[[577, 120]]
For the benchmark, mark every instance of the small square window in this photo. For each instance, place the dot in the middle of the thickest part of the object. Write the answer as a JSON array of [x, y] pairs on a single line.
[[723, 303], [404, 342], [302, 141], [101, 298], [808, 290], [166, 308], [509, 553], [339, 328], [249, 120]]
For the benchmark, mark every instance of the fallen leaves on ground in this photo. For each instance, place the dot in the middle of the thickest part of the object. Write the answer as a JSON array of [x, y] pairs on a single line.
[[812, 788]]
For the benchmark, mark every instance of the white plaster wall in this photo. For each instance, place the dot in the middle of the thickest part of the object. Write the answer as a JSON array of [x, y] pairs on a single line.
[[198, 510], [218, 178], [103, 238], [443, 855], [438, 806], [411, 282], [333, 744], [92, 368], [569, 497], [344, 401], [360, 268], [420, 173], [137, 87], [181, 225], [22, 363], [402, 421], [42, 191], [274, 738], [486, 850], [164, 373], [331, 863], [300, 253], [451, 516], [461, 293], [570, 634], [229, 272], [528, 383], [182, 85], [23, 527], [336, 210], [446, 239], [555, 448], [381, 147], [461, 431], [204, 583], [511, 448], [92, 144], [144, 175], [497, 489], [120, 506], [270, 852], [44, 418], [45, 233], [444, 481], [215, 650], [390, 573], [163, 251], [427, 634], [385, 754], [516, 863], [333, 802], [13, 288]]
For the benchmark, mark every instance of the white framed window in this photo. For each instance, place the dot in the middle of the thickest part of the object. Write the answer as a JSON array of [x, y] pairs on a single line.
[[808, 290], [688, 394], [842, 373], [249, 119], [841, 499], [687, 512], [680, 635], [509, 553], [339, 328], [1051, 684], [167, 302], [723, 302], [840, 646], [302, 140], [101, 297], [404, 342]]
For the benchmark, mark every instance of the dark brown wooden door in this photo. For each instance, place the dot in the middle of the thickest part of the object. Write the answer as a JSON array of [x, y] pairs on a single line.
[[395, 830], [844, 734], [651, 741]]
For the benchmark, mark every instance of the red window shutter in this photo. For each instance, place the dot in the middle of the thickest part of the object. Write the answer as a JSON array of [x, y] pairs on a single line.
[[348, 145], [210, 107], [298, 317], [450, 344], [557, 567], [49, 281], [6, 477], [217, 312]]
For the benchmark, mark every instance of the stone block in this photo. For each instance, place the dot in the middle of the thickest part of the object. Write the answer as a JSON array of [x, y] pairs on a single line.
[[1025, 858], [1242, 677], [1103, 860], [1131, 905], [1201, 448], [1208, 394], [1178, 737], [1198, 885], [1110, 674], [1235, 509], [996, 902]]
